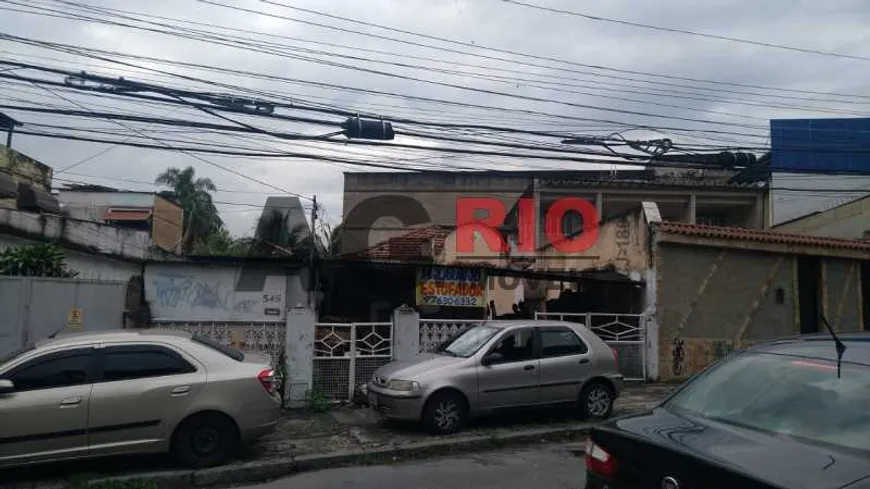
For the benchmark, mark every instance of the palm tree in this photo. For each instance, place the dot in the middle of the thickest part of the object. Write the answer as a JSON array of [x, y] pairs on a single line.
[[201, 218]]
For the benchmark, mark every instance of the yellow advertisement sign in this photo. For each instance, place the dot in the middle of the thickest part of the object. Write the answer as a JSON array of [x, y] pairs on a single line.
[[451, 287]]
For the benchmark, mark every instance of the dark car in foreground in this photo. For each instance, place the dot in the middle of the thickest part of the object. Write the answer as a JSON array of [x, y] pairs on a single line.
[[783, 414]]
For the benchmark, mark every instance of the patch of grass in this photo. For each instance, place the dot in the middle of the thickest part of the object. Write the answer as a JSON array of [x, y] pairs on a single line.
[[318, 402]]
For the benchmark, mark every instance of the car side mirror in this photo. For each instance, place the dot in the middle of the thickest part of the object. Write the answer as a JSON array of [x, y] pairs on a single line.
[[6, 386], [491, 359]]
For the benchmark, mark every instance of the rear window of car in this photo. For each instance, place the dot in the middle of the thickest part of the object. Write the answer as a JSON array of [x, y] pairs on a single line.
[[214, 345], [15, 354], [787, 395]]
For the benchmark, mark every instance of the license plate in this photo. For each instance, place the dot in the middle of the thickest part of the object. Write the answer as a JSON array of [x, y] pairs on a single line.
[[373, 400]]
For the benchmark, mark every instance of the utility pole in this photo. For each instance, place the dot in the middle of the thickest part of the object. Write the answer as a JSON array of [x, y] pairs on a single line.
[[312, 266]]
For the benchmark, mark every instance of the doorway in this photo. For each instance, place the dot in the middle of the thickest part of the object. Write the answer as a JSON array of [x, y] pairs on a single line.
[[809, 296]]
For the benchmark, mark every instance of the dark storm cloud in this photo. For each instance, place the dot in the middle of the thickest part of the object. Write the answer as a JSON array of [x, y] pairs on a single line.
[[833, 26]]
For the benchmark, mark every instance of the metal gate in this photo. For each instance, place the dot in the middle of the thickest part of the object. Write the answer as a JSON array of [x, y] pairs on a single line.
[[32, 308], [626, 333], [347, 355]]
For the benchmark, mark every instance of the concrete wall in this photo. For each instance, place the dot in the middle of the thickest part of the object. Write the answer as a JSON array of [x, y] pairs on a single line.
[[621, 243], [393, 195], [99, 238], [712, 300], [842, 301], [194, 292], [851, 220], [25, 169], [805, 198], [97, 252], [93, 205], [167, 217]]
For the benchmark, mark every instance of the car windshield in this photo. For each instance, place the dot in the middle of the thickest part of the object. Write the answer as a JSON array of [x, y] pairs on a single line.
[[786, 395], [468, 342]]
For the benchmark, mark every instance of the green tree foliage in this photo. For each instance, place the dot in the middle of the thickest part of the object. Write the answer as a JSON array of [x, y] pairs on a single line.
[[222, 243], [201, 218], [277, 239], [36, 260]]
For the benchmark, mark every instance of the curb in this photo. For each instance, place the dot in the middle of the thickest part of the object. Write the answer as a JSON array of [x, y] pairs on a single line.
[[262, 471]]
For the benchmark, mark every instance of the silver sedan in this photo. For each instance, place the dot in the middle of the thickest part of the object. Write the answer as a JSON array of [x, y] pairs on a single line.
[[499, 365]]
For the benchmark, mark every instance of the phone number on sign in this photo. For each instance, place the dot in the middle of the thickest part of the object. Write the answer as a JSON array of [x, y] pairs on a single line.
[[440, 300]]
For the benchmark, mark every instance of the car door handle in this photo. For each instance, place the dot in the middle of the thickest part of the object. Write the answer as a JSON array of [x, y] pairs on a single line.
[[583, 360], [180, 391], [70, 402], [529, 367]]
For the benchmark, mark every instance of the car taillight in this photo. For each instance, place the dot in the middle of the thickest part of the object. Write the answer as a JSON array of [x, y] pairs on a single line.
[[615, 355], [267, 379], [599, 461]]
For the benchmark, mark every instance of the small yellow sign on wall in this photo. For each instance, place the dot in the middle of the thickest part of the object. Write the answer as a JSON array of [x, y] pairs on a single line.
[[74, 318]]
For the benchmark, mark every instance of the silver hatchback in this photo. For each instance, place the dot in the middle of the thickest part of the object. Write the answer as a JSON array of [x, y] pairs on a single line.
[[498, 365]]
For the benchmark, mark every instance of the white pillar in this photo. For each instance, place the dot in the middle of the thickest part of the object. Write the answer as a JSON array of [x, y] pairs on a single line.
[[299, 354], [406, 333]]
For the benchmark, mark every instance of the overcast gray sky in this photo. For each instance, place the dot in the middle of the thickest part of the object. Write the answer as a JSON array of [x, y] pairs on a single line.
[[739, 112]]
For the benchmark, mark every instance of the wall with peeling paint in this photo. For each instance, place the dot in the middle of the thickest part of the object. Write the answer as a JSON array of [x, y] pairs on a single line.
[[712, 300]]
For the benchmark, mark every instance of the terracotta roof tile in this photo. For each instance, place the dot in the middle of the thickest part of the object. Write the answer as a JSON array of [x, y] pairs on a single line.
[[760, 236], [412, 246]]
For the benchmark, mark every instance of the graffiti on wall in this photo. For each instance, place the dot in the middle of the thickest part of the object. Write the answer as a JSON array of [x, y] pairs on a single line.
[[678, 357], [176, 290], [178, 295]]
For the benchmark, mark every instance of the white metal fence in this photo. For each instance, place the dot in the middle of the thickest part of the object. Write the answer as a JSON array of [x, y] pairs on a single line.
[[433, 332], [257, 336], [626, 333], [347, 354]]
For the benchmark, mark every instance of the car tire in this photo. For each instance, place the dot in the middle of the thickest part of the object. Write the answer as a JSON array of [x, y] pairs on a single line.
[[445, 413], [596, 401], [205, 440]]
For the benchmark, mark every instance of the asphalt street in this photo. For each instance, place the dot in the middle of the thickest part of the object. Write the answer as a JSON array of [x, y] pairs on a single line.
[[547, 466]]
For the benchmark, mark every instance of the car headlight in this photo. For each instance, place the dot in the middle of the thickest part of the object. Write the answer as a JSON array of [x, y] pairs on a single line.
[[403, 385]]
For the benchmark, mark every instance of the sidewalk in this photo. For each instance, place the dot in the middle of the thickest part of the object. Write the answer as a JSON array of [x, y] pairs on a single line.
[[341, 436]]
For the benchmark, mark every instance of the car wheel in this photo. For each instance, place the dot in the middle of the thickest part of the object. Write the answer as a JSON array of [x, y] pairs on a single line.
[[596, 401], [445, 413], [205, 440]]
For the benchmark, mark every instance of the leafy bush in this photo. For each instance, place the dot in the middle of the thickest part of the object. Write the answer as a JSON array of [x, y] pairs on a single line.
[[36, 260]]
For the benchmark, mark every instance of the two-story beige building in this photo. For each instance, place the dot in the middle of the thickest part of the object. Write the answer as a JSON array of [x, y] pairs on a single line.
[[379, 206]]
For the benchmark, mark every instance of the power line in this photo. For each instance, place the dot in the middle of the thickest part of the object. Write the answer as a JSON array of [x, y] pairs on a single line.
[[411, 97], [527, 97], [505, 51], [119, 13], [684, 31]]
